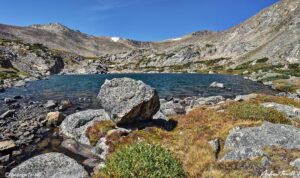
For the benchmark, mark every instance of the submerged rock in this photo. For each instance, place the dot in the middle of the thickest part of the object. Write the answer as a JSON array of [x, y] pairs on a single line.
[[290, 111], [216, 85], [75, 125], [49, 165], [128, 100]]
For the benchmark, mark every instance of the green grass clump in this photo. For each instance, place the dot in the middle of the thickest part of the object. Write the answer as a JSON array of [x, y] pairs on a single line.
[[278, 77], [294, 66], [142, 160], [256, 112], [8, 75]]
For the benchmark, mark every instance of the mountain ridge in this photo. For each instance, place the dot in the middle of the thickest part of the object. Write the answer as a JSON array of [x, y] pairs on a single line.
[[273, 33]]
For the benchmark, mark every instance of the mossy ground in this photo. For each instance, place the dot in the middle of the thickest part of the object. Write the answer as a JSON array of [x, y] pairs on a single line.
[[98, 130], [189, 140]]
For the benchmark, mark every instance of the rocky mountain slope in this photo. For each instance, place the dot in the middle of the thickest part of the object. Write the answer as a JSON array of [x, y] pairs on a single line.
[[272, 37]]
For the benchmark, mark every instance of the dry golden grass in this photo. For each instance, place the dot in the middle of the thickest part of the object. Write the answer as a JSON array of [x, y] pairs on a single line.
[[189, 141]]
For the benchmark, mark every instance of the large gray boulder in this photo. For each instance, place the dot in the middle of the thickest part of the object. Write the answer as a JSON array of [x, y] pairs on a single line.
[[49, 165], [128, 100], [278, 135], [75, 125], [248, 143], [289, 111]]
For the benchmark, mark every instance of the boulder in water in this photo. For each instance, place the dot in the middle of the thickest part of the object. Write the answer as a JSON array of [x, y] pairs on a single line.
[[216, 85]]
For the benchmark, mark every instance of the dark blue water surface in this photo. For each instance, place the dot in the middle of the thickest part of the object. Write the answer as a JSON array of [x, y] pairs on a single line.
[[178, 85]]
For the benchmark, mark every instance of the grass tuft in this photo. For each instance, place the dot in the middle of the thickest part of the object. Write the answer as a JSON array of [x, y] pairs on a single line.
[[142, 160], [256, 112]]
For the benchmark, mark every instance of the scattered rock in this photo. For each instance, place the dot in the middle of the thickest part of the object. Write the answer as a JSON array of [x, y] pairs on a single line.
[[245, 97], [209, 100], [242, 154], [20, 83], [66, 104], [296, 163], [17, 97], [160, 116], [2, 90], [128, 100], [265, 161], [9, 100], [298, 92], [8, 113], [78, 148], [51, 104], [216, 85], [92, 162], [290, 111], [216, 146], [75, 125], [4, 159], [172, 108], [6, 145], [101, 148], [49, 165], [54, 118], [16, 153]]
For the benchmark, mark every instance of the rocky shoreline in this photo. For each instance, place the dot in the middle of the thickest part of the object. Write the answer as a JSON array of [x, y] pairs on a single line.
[[27, 124]]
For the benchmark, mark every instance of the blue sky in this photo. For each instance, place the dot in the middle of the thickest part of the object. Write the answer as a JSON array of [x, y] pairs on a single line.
[[146, 20]]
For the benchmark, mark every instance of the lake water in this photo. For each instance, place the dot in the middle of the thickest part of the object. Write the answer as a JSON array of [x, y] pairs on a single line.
[[72, 87]]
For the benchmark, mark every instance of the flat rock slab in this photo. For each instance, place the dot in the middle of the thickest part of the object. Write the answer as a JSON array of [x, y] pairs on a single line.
[[128, 100], [75, 125], [7, 144], [278, 135], [49, 165], [289, 111], [242, 154]]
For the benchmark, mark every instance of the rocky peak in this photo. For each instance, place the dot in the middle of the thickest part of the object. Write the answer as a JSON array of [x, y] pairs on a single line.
[[55, 27]]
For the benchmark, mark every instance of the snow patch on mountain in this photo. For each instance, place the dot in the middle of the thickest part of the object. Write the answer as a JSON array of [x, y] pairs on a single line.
[[115, 39]]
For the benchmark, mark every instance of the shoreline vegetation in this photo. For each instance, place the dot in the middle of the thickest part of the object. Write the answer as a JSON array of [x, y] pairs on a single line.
[[202, 136]]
